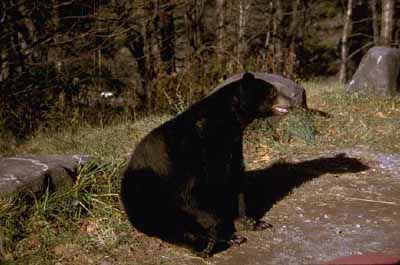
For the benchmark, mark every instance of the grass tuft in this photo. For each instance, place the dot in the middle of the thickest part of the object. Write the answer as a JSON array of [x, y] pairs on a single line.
[[299, 126]]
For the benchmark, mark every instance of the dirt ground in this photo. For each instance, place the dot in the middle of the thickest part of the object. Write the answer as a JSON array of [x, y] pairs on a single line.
[[348, 203], [337, 203]]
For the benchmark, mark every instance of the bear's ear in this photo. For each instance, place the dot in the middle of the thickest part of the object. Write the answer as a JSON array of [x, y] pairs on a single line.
[[247, 79]]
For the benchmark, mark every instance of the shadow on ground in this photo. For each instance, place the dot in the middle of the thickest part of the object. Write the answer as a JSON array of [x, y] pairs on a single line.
[[267, 186]]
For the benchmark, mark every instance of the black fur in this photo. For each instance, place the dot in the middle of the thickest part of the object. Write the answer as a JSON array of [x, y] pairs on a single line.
[[184, 180]]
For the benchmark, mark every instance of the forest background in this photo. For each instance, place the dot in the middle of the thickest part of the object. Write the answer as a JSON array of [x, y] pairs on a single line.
[[58, 56]]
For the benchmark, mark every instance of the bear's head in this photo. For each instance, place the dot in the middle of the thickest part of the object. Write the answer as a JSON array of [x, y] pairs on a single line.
[[261, 99]]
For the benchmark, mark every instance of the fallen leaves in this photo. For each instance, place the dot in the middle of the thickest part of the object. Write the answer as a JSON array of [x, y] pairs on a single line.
[[380, 115]]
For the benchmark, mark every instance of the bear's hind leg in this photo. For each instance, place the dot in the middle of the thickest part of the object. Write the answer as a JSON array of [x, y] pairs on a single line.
[[209, 233]]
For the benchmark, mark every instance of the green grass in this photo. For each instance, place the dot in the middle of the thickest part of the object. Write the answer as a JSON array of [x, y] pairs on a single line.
[[88, 216], [85, 224], [356, 119]]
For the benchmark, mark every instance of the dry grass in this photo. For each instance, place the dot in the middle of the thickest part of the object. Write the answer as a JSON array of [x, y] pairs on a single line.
[[85, 224]]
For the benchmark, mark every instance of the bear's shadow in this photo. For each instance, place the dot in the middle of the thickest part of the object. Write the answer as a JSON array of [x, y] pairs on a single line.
[[267, 186]]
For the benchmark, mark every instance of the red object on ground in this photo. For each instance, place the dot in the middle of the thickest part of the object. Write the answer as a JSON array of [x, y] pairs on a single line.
[[366, 259]]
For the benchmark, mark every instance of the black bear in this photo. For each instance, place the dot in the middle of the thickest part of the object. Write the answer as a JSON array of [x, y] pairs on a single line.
[[184, 181]]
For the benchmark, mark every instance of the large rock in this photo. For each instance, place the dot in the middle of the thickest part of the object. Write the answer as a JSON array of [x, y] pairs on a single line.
[[378, 73], [36, 173], [286, 86]]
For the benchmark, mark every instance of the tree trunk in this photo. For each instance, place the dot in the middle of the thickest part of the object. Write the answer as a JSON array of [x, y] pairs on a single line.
[[140, 41], [396, 37], [167, 34], [387, 22], [375, 28], [294, 25], [347, 28], [150, 42], [244, 7], [220, 29], [194, 23], [294, 38], [135, 43], [278, 51]]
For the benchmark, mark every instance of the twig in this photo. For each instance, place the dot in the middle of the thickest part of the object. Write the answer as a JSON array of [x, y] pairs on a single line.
[[366, 200]]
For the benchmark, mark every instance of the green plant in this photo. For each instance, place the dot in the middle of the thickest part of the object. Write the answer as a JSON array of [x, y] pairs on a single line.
[[299, 125]]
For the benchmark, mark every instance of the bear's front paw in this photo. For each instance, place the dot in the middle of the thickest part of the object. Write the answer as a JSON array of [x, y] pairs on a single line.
[[248, 223], [237, 240], [261, 225]]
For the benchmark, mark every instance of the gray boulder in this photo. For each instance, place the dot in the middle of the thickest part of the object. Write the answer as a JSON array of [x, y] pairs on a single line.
[[36, 173], [284, 85], [378, 73]]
